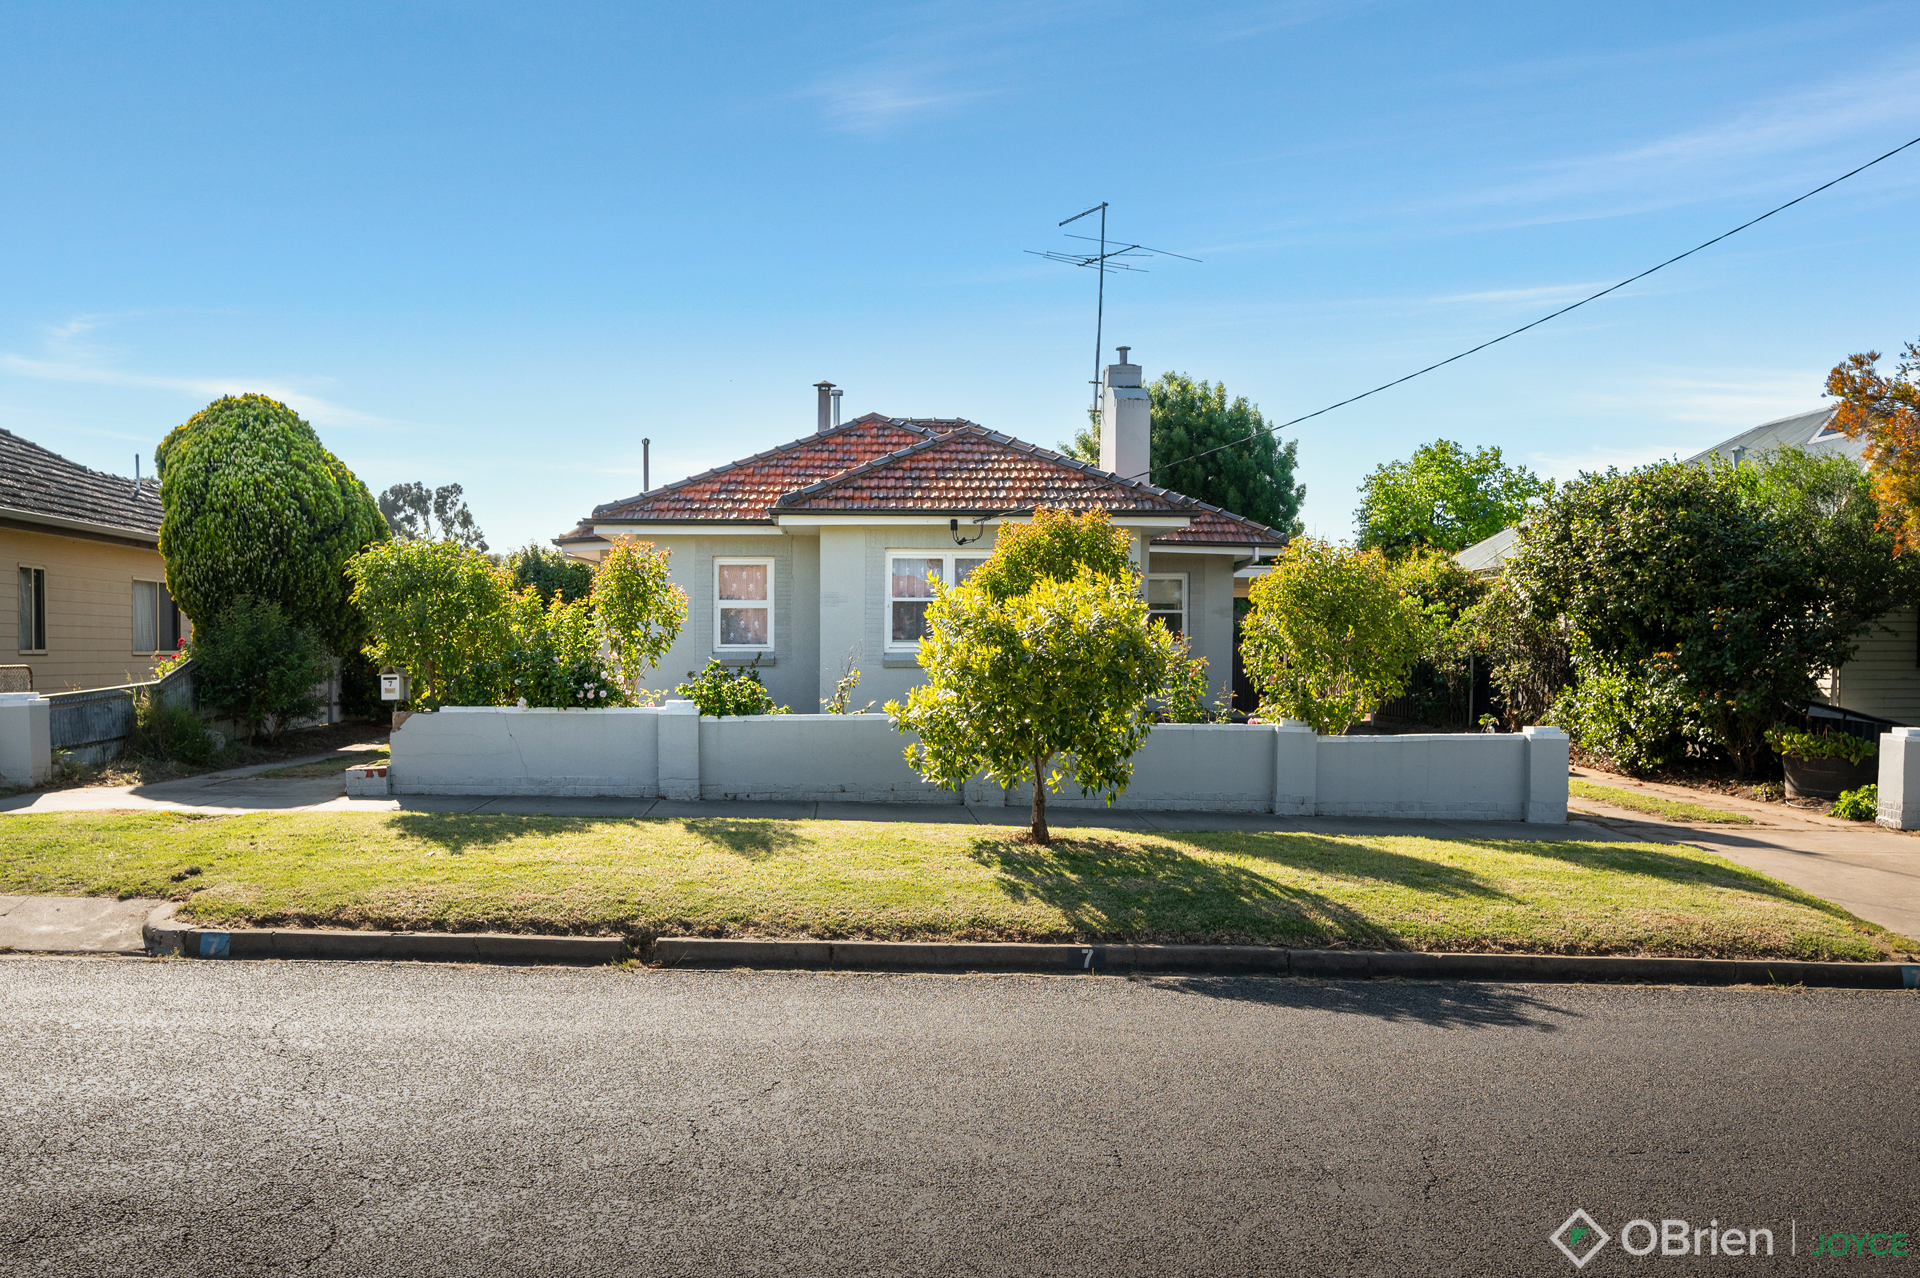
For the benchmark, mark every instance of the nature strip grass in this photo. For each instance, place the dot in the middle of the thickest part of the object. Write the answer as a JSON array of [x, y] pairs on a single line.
[[831, 879], [1655, 805]]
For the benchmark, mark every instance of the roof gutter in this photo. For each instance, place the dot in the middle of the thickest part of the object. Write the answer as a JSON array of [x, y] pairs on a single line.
[[109, 532]]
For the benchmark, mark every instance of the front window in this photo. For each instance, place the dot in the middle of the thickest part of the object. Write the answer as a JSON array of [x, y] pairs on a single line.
[[911, 577], [33, 609], [743, 603], [1167, 600]]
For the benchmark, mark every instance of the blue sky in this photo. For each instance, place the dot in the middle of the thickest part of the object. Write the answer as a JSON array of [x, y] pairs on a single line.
[[499, 245]]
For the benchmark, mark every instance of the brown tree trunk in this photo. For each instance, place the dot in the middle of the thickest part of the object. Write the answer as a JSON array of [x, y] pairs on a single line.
[[1039, 826]]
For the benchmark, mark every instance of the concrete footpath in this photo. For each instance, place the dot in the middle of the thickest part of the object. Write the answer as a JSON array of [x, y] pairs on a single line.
[[76, 924], [1871, 872]]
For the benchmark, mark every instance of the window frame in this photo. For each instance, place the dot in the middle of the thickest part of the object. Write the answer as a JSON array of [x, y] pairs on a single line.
[[741, 561], [166, 620], [39, 620], [1186, 598], [948, 557]]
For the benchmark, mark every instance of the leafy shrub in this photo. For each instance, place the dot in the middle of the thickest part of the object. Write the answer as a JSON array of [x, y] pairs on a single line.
[[549, 572], [451, 617], [1750, 580], [720, 690], [169, 733], [253, 505], [841, 702], [1637, 718], [1857, 805], [1331, 635], [1820, 745], [554, 657], [255, 666], [1183, 698]]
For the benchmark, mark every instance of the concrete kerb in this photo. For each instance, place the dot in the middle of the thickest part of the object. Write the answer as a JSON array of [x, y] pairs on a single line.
[[1263, 960], [169, 938]]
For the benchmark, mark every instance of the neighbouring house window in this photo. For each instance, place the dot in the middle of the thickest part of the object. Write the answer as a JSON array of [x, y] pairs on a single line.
[[1167, 600], [33, 610], [156, 618], [743, 603], [910, 579]]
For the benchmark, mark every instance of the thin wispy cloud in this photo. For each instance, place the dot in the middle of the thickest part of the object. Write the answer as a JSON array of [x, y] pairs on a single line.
[[878, 106], [1726, 157], [321, 412]]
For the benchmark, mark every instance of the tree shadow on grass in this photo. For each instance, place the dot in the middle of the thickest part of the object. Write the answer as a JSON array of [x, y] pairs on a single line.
[[1106, 890], [1346, 858], [1439, 1004], [1664, 862], [754, 839], [457, 832]]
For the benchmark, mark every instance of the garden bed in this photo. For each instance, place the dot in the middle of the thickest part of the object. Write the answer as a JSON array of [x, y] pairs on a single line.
[[827, 879]]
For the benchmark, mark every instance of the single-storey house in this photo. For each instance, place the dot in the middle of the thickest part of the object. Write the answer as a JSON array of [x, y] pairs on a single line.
[[1883, 679], [823, 552], [91, 605]]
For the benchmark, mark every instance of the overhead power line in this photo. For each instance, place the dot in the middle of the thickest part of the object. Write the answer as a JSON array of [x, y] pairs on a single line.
[[1536, 323]]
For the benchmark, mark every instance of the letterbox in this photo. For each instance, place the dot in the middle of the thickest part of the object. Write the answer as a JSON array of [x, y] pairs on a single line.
[[393, 684]]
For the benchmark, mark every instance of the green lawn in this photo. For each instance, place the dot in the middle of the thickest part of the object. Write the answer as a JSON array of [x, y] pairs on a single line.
[[645, 878], [1654, 805]]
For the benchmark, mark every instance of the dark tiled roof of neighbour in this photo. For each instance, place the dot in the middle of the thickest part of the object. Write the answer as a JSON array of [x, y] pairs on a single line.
[[747, 489], [40, 482], [581, 533], [905, 464]]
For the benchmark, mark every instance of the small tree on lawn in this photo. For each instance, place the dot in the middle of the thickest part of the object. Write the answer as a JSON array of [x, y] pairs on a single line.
[[1045, 653], [1331, 634], [1037, 686]]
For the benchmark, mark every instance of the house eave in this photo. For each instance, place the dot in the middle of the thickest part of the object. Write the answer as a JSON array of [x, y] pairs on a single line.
[[36, 521]]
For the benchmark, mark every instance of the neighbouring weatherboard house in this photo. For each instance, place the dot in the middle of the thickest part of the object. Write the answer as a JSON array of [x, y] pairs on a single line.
[[91, 606], [823, 552], [1883, 679]]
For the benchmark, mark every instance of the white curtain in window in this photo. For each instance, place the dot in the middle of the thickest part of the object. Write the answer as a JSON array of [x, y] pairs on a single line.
[[146, 607]]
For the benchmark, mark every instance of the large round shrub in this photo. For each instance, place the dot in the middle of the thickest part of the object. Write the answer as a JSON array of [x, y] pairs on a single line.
[[252, 505]]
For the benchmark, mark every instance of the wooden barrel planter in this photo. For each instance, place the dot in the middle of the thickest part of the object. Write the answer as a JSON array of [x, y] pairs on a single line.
[[1827, 778]]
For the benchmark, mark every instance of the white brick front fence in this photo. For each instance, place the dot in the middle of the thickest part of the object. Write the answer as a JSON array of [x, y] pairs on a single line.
[[672, 752]]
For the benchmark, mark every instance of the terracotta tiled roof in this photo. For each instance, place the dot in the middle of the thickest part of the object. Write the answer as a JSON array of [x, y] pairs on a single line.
[[1212, 526], [747, 489], [971, 468], [40, 482], [977, 469], [933, 465]]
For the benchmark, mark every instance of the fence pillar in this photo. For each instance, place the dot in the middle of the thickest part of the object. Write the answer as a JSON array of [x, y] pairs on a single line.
[[1899, 779], [679, 750], [26, 738], [1545, 783], [1296, 768]]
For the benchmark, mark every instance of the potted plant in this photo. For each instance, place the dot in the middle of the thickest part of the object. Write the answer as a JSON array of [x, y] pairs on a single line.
[[1823, 765]]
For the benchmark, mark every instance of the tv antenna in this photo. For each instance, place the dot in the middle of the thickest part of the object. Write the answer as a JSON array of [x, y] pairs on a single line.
[[1123, 258]]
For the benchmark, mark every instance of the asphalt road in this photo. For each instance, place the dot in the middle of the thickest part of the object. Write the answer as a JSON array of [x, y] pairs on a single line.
[[189, 1117]]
